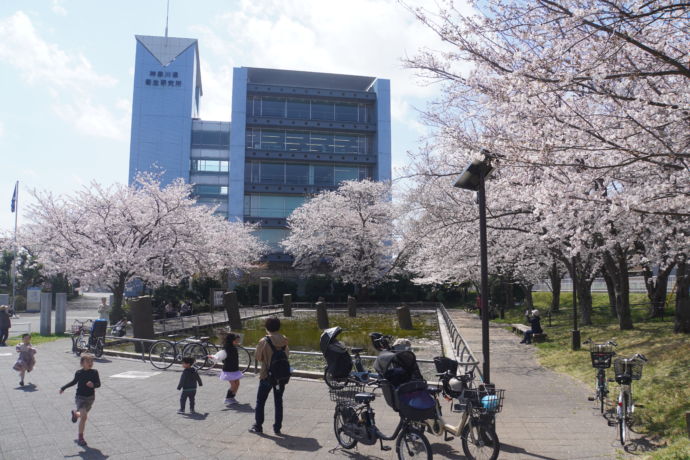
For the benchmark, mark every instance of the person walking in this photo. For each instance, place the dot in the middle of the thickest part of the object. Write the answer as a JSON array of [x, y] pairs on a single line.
[[268, 346], [27, 359], [87, 380], [231, 367], [104, 309], [188, 383], [5, 324]]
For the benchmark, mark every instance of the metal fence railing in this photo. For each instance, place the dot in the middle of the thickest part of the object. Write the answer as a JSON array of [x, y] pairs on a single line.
[[463, 352], [179, 323]]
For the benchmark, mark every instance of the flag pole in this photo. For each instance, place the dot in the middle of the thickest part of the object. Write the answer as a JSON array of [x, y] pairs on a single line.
[[14, 260]]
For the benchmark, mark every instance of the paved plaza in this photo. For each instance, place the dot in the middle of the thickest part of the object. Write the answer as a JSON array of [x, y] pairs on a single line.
[[546, 416]]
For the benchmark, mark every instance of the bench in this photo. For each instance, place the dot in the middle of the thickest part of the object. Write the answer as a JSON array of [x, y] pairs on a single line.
[[522, 328]]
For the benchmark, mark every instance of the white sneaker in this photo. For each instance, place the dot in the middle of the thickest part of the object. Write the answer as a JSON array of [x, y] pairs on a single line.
[[231, 401]]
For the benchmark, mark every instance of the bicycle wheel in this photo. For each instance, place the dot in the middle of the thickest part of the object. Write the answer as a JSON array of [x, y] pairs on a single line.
[[74, 344], [162, 354], [339, 420], [334, 383], [98, 349], [81, 345], [198, 352], [622, 418], [479, 441], [244, 358], [411, 443]]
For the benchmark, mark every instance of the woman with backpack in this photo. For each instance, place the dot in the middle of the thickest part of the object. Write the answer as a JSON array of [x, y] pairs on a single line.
[[271, 352]]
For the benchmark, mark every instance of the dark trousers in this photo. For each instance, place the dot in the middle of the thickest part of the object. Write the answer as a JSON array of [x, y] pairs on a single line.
[[265, 388], [185, 396], [528, 336], [3, 335]]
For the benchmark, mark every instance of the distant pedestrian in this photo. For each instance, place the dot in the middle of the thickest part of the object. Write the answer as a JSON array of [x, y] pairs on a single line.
[[535, 323], [273, 344], [188, 382], [231, 366], [5, 324], [186, 309], [27, 359], [104, 309], [170, 310], [87, 380]]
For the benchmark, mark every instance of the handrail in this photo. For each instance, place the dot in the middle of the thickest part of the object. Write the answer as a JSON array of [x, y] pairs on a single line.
[[461, 348]]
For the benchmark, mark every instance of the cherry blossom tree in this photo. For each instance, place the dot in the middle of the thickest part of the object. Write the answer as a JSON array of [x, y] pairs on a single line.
[[113, 235], [350, 231]]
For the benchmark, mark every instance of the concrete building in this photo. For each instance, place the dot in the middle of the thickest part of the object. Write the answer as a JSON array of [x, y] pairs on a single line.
[[291, 135]]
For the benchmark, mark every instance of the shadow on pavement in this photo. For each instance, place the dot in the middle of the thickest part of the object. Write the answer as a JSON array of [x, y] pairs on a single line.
[[295, 442], [519, 450], [447, 450], [196, 415], [89, 453], [354, 455], [246, 407], [28, 388]]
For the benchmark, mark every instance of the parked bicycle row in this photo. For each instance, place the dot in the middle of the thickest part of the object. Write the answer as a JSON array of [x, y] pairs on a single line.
[[626, 370], [420, 406]]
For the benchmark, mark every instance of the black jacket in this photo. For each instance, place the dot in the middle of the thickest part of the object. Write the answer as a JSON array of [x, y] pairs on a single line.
[[81, 377], [189, 379], [232, 362], [535, 324], [5, 322]]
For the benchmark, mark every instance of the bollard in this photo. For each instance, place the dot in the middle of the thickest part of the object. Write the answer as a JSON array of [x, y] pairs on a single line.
[[46, 312], [287, 305], [232, 308], [60, 312], [141, 311], [404, 317], [322, 315], [351, 307], [687, 422]]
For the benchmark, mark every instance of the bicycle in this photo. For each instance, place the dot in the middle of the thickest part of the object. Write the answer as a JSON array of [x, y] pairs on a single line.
[[164, 353], [627, 370], [79, 332], [354, 422], [601, 354], [478, 406]]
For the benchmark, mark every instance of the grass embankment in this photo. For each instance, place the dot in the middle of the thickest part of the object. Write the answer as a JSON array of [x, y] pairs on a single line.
[[664, 389], [37, 339]]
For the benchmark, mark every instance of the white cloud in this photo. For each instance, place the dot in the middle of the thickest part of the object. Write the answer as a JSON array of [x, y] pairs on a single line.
[[96, 119], [57, 8], [2, 129]]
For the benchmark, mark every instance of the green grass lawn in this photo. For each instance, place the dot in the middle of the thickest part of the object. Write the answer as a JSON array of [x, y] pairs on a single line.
[[37, 339], [664, 389]]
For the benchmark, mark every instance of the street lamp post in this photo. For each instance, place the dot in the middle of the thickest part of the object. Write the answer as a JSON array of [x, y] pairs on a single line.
[[576, 331], [473, 178]]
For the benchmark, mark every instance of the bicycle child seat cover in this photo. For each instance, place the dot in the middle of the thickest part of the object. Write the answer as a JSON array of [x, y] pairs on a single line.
[[338, 359]]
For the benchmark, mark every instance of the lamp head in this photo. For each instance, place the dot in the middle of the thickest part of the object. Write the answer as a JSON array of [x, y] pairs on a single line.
[[469, 178]]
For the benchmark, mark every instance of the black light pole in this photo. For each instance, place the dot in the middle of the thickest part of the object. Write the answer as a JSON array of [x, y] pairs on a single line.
[[473, 178], [576, 331]]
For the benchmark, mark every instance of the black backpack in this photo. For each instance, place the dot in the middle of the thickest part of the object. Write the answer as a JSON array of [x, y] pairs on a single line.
[[279, 370]]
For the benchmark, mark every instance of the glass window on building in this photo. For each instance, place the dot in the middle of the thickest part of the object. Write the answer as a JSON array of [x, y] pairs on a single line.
[[297, 173], [345, 112], [292, 203], [321, 110], [273, 237], [250, 105], [210, 138], [203, 189], [323, 175], [321, 142], [253, 138], [209, 166], [297, 141], [363, 111], [364, 173], [343, 173], [364, 145], [272, 173], [273, 107], [272, 139], [298, 108], [345, 143]]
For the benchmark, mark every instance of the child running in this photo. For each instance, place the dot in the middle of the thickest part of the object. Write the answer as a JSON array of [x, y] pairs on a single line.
[[26, 361], [87, 380], [188, 382], [231, 367]]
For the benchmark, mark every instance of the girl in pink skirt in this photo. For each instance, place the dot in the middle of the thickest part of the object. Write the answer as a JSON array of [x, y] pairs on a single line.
[[231, 366], [26, 360]]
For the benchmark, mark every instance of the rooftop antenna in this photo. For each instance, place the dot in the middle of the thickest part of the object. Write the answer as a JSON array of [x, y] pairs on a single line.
[[167, 13]]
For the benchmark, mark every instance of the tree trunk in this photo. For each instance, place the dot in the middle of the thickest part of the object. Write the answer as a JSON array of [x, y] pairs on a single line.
[[656, 289], [555, 278], [682, 322], [527, 290], [611, 290], [117, 313], [510, 299], [617, 266], [584, 299]]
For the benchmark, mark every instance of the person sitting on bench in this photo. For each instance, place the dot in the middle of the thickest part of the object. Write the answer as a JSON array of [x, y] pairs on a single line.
[[535, 323]]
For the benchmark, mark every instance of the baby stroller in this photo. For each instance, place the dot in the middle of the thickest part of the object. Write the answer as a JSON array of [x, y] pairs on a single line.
[[119, 329], [95, 341]]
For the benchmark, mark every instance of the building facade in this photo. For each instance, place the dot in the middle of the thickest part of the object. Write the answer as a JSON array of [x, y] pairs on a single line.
[[292, 134]]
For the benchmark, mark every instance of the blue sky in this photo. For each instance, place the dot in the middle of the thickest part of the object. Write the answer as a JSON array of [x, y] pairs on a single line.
[[66, 68]]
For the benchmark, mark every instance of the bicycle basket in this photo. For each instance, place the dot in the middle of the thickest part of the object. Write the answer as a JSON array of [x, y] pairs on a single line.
[[486, 397], [631, 368], [601, 348], [76, 328], [601, 360], [346, 396], [444, 364]]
